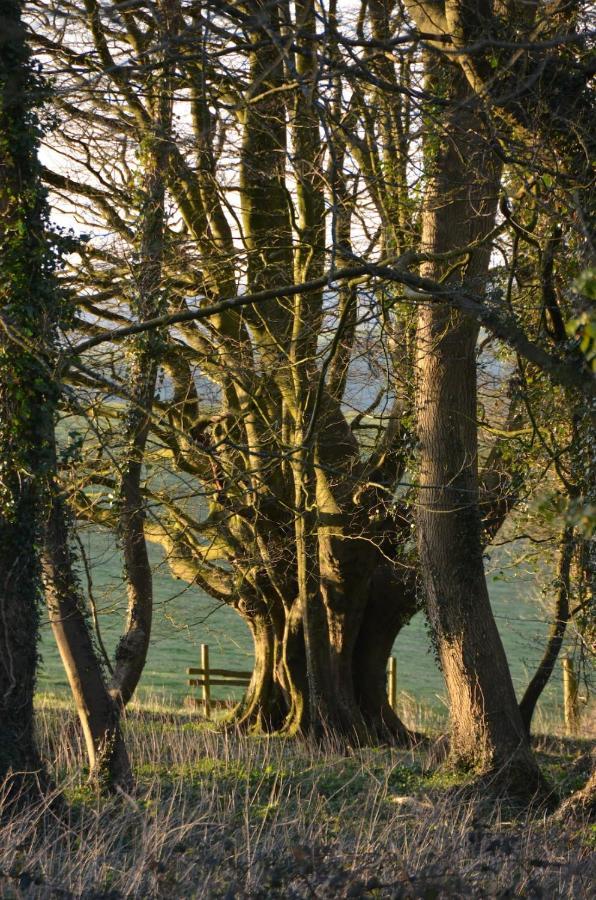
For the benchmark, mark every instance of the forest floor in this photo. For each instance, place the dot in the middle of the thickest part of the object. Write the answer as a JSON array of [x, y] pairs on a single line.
[[220, 815]]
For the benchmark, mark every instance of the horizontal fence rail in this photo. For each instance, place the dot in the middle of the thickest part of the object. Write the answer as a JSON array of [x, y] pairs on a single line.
[[223, 678], [208, 678]]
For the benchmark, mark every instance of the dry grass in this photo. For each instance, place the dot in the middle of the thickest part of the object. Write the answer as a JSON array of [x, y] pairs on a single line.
[[222, 815]]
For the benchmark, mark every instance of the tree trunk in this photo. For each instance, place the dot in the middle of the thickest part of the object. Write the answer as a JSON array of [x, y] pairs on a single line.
[[263, 708], [316, 635], [533, 691], [154, 149], [486, 727], [98, 713], [19, 627], [391, 605], [29, 309], [294, 676], [345, 573], [131, 652], [278, 697]]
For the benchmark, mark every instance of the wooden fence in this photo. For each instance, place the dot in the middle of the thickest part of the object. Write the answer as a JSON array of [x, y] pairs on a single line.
[[208, 678]]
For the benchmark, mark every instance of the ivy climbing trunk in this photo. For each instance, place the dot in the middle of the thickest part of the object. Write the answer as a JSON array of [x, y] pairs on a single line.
[[29, 309]]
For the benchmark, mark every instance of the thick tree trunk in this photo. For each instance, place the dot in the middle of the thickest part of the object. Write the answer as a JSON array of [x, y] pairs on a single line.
[[19, 628], [391, 604], [486, 727], [98, 713], [345, 571], [278, 697], [333, 577]]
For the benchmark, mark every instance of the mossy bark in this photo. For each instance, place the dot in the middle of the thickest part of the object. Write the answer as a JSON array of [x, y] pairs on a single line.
[[30, 309]]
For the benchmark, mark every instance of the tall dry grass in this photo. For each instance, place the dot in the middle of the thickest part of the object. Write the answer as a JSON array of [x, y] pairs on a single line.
[[224, 815]]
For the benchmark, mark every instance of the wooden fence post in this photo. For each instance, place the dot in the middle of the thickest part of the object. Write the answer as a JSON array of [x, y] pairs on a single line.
[[206, 685], [570, 698], [392, 682], [208, 678]]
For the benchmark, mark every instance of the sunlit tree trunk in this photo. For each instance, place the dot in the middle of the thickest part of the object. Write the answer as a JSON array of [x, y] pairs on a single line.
[[293, 675], [264, 707], [98, 713], [461, 198]]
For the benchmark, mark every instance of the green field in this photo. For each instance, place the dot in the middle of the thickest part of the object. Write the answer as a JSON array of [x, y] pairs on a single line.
[[185, 617]]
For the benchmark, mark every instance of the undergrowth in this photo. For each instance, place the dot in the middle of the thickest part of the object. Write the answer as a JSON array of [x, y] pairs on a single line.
[[221, 815]]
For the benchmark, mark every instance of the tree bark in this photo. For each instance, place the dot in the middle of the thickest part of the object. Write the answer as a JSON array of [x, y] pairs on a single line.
[[392, 603], [19, 625], [486, 727], [98, 713], [316, 635], [131, 652], [345, 564], [294, 675], [263, 708]]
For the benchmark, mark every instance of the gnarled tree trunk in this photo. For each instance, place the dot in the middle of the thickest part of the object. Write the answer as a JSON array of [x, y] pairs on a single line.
[[263, 708]]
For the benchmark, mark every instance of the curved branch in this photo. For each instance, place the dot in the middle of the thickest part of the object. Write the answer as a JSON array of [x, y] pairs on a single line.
[[489, 314]]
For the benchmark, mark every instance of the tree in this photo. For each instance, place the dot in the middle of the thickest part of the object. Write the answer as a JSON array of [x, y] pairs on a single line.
[[294, 158], [99, 714], [486, 725], [264, 362], [28, 303], [32, 514]]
